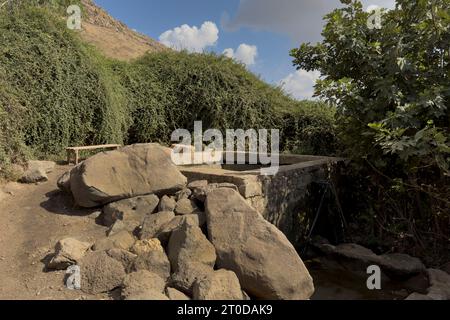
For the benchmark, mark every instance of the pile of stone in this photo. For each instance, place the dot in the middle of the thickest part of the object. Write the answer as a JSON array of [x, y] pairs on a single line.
[[168, 239]]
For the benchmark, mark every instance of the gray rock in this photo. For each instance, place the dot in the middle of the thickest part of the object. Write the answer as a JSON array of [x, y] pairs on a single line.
[[401, 265], [167, 204], [265, 262], [100, 273], [188, 244], [131, 211], [125, 173], [166, 231], [153, 223], [183, 194], [121, 240], [68, 252], [63, 182], [116, 227], [176, 295], [126, 258], [418, 296], [37, 171], [186, 206], [141, 281], [357, 252], [200, 189], [395, 264], [440, 284], [227, 185], [198, 184], [218, 285], [188, 274], [145, 246], [147, 295], [153, 261]]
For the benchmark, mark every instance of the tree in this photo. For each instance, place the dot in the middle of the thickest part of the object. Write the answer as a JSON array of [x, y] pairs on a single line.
[[391, 85]]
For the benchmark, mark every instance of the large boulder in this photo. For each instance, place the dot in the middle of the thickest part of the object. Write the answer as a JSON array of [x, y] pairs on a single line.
[[189, 244], [265, 262], [100, 273], [68, 252], [63, 182], [131, 211], [359, 257], [125, 173], [218, 285], [401, 265]]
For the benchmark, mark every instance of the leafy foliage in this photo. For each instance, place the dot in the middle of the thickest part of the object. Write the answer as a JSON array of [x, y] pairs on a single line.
[[391, 87], [56, 91]]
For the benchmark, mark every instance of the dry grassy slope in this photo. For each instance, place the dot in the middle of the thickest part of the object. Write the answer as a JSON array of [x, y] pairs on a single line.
[[112, 37]]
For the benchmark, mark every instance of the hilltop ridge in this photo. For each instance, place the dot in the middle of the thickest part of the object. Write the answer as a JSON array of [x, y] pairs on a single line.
[[112, 37]]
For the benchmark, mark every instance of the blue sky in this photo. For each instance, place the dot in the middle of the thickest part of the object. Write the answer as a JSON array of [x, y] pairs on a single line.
[[266, 29]]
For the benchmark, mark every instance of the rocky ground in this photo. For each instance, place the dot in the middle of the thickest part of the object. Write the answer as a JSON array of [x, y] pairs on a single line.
[[137, 230], [156, 236], [32, 218]]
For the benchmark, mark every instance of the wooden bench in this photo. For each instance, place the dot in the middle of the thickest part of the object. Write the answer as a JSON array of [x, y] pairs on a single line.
[[75, 151]]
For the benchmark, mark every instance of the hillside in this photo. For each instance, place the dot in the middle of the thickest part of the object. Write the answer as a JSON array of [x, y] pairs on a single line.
[[56, 91], [112, 37]]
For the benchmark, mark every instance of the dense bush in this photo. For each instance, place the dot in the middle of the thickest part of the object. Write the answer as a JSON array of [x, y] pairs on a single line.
[[171, 90], [391, 86], [68, 96], [56, 91]]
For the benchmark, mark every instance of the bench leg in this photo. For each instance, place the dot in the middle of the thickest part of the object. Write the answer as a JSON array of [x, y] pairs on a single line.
[[77, 159]]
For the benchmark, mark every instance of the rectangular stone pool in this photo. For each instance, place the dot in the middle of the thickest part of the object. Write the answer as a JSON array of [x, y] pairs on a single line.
[[284, 198]]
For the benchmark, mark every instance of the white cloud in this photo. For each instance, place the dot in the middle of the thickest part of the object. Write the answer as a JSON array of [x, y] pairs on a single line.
[[300, 84], [372, 7], [299, 19], [245, 53], [192, 39]]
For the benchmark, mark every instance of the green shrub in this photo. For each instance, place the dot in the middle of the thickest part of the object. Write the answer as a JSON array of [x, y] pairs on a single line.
[[57, 91], [69, 97], [391, 87]]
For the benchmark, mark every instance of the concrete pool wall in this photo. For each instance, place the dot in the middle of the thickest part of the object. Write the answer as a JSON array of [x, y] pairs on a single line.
[[284, 198]]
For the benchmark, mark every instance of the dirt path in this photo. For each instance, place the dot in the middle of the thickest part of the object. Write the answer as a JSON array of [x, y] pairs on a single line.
[[32, 219]]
